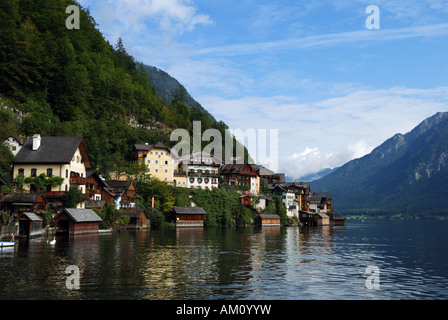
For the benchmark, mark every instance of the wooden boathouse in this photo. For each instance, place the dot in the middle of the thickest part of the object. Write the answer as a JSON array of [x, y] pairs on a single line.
[[336, 219], [267, 220], [30, 225], [310, 218], [77, 221], [189, 216], [139, 219]]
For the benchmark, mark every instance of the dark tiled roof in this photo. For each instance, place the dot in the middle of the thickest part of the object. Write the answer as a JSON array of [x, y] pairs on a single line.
[[322, 215], [237, 169], [133, 213], [204, 156], [21, 197], [83, 215], [262, 171], [147, 147], [189, 210], [269, 216], [19, 139], [32, 216], [117, 187], [51, 150], [95, 204]]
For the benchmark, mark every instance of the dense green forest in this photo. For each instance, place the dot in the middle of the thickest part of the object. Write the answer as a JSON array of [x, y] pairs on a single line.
[[56, 81], [223, 204], [60, 82]]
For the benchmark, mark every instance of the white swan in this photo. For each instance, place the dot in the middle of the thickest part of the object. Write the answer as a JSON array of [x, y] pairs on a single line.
[[53, 241]]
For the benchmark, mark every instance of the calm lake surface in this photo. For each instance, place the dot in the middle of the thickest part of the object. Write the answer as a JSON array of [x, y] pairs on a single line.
[[258, 264]]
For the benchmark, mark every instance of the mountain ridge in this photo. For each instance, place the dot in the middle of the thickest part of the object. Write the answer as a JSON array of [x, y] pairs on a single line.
[[170, 88], [75, 83], [403, 174]]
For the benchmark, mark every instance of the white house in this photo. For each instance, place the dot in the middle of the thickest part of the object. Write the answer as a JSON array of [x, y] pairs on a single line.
[[289, 200], [14, 143], [201, 169], [64, 157]]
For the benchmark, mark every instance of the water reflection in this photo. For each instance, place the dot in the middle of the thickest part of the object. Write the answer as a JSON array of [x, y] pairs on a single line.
[[213, 263]]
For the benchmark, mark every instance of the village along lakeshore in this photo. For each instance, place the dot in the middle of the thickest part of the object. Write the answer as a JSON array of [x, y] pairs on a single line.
[[245, 238], [96, 205], [55, 190]]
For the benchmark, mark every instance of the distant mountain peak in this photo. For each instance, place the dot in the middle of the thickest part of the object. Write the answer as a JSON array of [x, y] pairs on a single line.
[[407, 172], [167, 87]]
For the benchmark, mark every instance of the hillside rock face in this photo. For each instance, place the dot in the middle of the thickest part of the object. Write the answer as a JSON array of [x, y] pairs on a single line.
[[407, 173]]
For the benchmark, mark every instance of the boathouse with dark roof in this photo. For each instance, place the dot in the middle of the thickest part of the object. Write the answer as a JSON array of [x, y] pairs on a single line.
[[77, 221], [189, 216]]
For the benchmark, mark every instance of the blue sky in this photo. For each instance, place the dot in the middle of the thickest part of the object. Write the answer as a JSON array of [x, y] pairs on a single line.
[[311, 69]]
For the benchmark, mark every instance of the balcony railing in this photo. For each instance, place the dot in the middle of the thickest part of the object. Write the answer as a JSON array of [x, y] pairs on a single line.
[[54, 194], [203, 174], [177, 173], [78, 180]]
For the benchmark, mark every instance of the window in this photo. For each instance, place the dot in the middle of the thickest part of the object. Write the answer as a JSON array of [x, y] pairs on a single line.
[[151, 153], [149, 170], [49, 172], [149, 161], [33, 172], [166, 170], [156, 170], [77, 159], [166, 162], [157, 152], [157, 161], [66, 173], [21, 172]]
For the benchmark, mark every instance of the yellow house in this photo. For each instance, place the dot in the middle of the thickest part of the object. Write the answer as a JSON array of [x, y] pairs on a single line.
[[158, 161], [65, 157]]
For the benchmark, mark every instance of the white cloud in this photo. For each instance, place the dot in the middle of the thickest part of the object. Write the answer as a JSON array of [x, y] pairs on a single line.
[[328, 133], [138, 21], [330, 39], [358, 150]]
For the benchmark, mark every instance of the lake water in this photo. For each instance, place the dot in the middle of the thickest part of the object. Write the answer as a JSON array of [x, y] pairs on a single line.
[[222, 264]]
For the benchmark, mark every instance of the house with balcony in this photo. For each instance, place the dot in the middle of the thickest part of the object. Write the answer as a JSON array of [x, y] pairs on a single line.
[[321, 202], [268, 175], [288, 198], [301, 190], [122, 194], [64, 157], [201, 170], [239, 175]]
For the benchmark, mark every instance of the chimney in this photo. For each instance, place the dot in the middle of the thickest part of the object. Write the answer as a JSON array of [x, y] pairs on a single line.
[[36, 142]]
